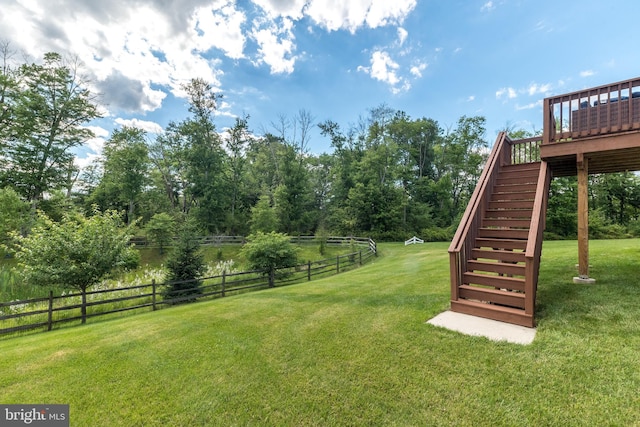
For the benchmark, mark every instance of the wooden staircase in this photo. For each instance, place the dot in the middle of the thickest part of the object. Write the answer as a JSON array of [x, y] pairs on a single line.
[[495, 267]]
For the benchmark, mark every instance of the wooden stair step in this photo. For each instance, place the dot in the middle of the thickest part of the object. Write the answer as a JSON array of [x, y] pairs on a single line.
[[498, 255], [509, 187], [509, 213], [517, 173], [503, 233], [511, 283], [517, 181], [496, 267], [521, 167], [496, 296], [506, 222], [488, 242], [511, 204], [495, 312], [512, 195]]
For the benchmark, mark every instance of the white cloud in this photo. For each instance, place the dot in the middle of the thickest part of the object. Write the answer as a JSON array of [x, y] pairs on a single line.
[[276, 46], [385, 69], [587, 73], [336, 15], [96, 143], [340, 15], [538, 89], [488, 6], [417, 70], [150, 127], [135, 53], [471, 98], [529, 106], [221, 29], [402, 35], [83, 162], [282, 8], [508, 91]]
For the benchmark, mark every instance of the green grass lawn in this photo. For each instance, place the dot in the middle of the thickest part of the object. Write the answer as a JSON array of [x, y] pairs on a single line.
[[352, 349]]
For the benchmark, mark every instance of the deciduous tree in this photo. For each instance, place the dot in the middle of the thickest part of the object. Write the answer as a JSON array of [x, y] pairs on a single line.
[[76, 253]]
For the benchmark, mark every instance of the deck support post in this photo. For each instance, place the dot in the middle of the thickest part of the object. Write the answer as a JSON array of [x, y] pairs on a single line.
[[583, 221]]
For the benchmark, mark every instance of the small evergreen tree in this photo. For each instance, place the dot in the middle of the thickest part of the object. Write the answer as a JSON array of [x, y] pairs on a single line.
[[186, 266]]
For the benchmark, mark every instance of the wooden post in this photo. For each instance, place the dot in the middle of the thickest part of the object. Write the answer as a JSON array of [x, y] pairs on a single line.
[[272, 277], [153, 297], [583, 220], [224, 282], [50, 317], [309, 271], [338, 264]]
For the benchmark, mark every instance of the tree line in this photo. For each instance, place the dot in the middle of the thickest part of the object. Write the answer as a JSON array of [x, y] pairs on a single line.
[[388, 176]]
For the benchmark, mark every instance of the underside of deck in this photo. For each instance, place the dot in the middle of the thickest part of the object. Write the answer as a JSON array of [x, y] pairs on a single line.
[[606, 154]]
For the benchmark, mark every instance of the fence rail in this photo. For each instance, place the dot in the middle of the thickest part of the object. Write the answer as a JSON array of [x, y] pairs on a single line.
[[142, 241], [47, 312]]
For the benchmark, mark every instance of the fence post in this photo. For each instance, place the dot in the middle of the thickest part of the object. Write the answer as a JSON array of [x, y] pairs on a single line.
[[153, 296], [50, 317], [309, 271], [360, 256], [272, 277], [224, 281], [338, 264]]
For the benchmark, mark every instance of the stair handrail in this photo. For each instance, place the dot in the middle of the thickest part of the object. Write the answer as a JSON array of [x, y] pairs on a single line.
[[537, 214], [480, 190], [533, 251], [460, 248]]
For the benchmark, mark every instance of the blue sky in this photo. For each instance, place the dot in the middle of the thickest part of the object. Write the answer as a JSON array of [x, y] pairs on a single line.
[[334, 59]]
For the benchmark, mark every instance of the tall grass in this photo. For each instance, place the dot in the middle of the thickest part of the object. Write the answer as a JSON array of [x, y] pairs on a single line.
[[352, 349]]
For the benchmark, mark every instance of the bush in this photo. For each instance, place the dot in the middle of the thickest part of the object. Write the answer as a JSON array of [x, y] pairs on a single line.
[[436, 234], [270, 252]]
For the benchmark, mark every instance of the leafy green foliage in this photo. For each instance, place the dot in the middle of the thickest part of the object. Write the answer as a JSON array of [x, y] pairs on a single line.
[[48, 112], [263, 216], [14, 214], [76, 253], [124, 171], [269, 251], [160, 229], [388, 176]]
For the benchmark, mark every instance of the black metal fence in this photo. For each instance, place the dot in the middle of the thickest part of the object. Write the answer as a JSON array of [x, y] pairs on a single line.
[[49, 312]]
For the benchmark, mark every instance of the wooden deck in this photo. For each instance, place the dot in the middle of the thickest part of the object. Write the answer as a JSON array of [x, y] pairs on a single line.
[[601, 124]]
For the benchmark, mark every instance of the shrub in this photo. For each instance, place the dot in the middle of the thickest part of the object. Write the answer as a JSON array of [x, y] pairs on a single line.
[[270, 252]]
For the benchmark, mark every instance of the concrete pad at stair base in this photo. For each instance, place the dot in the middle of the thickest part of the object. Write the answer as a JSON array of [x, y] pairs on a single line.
[[481, 327]]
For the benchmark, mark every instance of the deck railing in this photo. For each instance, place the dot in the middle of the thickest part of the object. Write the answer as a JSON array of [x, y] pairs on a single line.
[[596, 111], [525, 150]]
